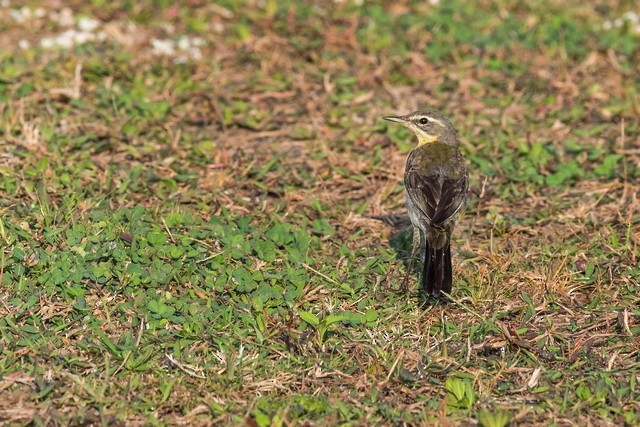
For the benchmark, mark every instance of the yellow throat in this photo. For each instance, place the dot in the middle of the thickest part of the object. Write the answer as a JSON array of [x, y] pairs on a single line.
[[423, 138]]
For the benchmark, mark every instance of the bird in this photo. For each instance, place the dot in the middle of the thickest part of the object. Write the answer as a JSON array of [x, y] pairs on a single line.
[[436, 181]]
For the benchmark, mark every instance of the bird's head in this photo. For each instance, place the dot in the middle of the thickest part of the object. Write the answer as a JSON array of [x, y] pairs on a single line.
[[429, 126]]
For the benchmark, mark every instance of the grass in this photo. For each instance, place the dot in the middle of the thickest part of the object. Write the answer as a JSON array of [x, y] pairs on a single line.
[[218, 238]]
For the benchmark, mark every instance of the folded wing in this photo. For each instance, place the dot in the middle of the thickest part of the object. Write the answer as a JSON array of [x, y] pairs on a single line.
[[438, 198]]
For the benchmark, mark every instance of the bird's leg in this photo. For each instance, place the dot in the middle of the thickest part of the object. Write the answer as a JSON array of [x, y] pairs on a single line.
[[414, 252]]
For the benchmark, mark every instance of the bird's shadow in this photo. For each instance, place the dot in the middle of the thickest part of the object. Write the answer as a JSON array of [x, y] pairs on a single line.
[[401, 238], [401, 241]]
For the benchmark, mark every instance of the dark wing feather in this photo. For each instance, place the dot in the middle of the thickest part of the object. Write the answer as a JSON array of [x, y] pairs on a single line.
[[438, 198], [454, 196]]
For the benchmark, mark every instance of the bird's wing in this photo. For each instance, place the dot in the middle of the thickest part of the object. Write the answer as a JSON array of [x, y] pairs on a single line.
[[439, 198]]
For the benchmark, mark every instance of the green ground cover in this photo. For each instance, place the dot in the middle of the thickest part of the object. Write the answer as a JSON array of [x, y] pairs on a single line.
[[202, 213]]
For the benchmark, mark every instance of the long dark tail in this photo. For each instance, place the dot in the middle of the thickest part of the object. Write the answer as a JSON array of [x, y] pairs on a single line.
[[437, 275]]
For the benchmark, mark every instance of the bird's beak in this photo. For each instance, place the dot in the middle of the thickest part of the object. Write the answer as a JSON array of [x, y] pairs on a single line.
[[396, 119]]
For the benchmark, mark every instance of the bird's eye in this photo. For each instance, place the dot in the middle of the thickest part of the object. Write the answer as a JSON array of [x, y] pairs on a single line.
[[424, 121]]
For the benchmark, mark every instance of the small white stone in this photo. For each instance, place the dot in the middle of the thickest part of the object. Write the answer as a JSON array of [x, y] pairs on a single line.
[[617, 23], [88, 24], [16, 15], [184, 43], [162, 47], [24, 44], [606, 25], [39, 13], [66, 40], [81, 37], [631, 16], [47, 43]]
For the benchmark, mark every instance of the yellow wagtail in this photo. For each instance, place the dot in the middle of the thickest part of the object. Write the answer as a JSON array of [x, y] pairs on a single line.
[[436, 181]]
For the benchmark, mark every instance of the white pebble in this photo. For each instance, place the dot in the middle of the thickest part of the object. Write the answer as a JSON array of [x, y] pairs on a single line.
[[47, 43], [17, 15], [80, 37], [88, 24], [184, 43], [66, 39], [631, 16], [162, 47]]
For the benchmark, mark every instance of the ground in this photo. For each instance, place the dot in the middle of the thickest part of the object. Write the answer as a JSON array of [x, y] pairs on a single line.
[[202, 213]]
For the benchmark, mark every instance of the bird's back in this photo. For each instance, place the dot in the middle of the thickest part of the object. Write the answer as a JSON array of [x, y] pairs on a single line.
[[437, 181], [436, 159]]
